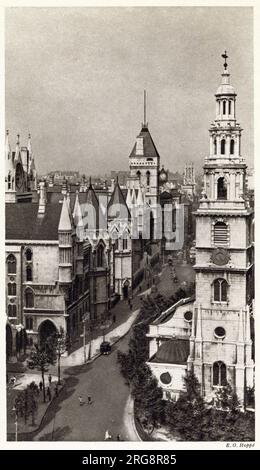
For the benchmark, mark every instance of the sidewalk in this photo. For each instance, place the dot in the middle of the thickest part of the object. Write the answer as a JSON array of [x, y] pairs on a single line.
[[92, 348]]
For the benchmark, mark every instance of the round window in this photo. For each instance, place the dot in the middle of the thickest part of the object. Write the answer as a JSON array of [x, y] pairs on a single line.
[[165, 378], [188, 316], [220, 332]]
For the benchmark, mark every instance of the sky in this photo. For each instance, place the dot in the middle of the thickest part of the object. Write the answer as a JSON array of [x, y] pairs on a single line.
[[75, 79]]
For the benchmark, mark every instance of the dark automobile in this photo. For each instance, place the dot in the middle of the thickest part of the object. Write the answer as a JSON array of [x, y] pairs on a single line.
[[105, 347]]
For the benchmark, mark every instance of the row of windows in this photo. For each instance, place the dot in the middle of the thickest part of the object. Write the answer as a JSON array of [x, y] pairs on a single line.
[[226, 106], [219, 375], [223, 147], [148, 176]]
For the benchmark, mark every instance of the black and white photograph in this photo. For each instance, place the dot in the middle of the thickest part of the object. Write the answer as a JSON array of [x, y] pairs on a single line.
[[128, 168]]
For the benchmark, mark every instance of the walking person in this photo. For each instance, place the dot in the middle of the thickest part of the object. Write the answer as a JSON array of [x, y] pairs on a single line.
[[108, 436], [80, 401], [49, 393], [50, 379], [56, 390], [40, 386], [118, 437], [89, 401]]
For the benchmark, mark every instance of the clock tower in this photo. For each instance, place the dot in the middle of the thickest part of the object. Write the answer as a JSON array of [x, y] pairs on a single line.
[[221, 347]]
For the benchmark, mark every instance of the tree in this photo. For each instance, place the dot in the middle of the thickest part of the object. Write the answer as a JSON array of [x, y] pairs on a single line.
[[41, 358], [227, 399], [26, 403], [58, 343], [148, 398]]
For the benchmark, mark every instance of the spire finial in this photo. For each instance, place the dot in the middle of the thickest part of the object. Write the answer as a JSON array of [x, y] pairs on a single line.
[[7, 132], [225, 56], [145, 107], [18, 139]]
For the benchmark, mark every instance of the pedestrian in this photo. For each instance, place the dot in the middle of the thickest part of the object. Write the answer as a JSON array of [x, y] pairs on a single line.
[[118, 437], [108, 436], [80, 401], [140, 288], [50, 379], [131, 306], [40, 386], [89, 400], [56, 390], [49, 393], [114, 318]]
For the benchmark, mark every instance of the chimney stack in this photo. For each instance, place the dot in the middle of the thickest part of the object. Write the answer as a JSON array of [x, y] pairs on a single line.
[[42, 198]]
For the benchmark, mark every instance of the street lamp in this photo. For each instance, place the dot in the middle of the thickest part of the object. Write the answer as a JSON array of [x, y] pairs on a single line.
[[16, 422], [84, 319]]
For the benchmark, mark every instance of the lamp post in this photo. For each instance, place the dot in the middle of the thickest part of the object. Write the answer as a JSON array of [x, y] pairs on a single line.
[[16, 423], [84, 339]]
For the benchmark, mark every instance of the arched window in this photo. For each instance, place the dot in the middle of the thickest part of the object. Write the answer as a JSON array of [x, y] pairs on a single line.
[[12, 311], [28, 254], [222, 188], [29, 273], [229, 107], [148, 175], [138, 173], [29, 298], [222, 147], [215, 146], [224, 107], [11, 264], [219, 374], [232, 146], [11, 288], [220, 290], [100, 256], [220, 234]]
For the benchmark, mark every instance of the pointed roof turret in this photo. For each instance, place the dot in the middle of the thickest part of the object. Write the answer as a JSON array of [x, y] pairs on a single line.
[[7, 145], [140, 199], [65, 222], [17, 149], [129, 199], [117, 204], [144, 145]]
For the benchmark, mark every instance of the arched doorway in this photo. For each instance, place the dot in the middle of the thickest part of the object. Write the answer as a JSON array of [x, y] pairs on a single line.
[[46, 329], [9, 342]]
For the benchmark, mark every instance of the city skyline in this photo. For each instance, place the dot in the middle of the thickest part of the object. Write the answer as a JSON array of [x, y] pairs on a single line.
[[59, 73]]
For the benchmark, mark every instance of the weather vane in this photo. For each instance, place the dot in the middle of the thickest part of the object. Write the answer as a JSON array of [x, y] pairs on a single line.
[[225, 56]]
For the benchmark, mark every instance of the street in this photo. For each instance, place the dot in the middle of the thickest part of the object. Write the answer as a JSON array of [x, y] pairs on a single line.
[[67, 420]]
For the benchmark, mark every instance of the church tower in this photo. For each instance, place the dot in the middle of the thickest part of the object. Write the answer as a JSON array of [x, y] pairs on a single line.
[[221, 349], [144, 162]]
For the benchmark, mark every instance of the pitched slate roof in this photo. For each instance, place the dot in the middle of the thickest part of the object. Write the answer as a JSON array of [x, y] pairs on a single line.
[[23, 222], [117, 199], [149, 146], [65, 222], [173, 351]]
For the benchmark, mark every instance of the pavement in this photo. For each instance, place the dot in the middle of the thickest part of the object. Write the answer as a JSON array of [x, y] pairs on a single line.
[[112, 407], [93, 347], [66, 420]]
